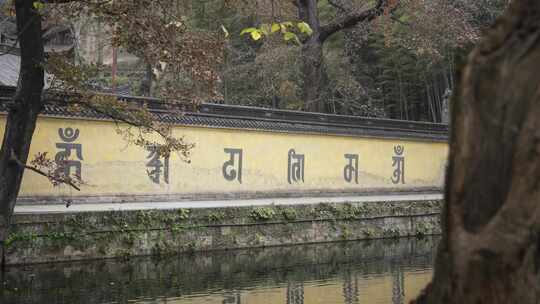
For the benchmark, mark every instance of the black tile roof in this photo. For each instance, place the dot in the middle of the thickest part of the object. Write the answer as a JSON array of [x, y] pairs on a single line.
[[9, 67], [253, 118]]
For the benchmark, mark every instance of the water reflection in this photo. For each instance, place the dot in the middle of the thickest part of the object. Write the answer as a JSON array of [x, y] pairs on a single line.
[[385, 271]]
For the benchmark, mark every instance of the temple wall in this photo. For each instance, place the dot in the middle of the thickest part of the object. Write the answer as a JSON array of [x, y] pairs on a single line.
[[112, 168]]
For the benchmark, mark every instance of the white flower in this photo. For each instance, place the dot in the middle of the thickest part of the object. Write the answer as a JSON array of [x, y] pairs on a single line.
[[163, 65], [175, 23]]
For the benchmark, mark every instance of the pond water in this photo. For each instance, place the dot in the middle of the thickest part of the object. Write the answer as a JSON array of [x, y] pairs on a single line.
[[382, 271]]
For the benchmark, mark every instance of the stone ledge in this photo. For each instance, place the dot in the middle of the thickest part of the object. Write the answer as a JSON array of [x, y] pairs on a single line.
[[319, 194]]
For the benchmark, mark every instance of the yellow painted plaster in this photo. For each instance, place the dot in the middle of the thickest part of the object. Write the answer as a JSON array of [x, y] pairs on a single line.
[[110, 166]]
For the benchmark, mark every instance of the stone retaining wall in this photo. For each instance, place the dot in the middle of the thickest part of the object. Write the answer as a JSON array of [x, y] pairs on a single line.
[[94, 235]]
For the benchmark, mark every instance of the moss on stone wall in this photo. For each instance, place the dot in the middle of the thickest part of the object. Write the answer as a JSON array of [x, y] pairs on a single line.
[[50, 237]]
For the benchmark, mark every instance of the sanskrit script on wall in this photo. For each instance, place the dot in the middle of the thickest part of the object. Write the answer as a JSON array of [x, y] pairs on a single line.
[[231, 161]]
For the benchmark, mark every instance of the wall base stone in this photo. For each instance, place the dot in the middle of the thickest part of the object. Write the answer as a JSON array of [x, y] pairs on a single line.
[[40, 238]]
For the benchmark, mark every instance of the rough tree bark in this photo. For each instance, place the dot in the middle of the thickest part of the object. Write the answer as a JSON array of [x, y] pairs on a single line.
[[146, 82], [490, 251], [312, 57], [22, 116], [312, 47]]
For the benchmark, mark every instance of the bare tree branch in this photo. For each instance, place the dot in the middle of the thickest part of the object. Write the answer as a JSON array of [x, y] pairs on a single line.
[[337, 5], [354, 18], [14, 159]]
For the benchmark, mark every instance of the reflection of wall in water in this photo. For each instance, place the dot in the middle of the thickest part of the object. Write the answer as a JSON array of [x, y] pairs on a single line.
[[353, 272], [295, 293], [232, 298], [350, 288], [398, 289]]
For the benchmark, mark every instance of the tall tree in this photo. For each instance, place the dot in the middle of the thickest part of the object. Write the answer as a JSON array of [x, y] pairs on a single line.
[[490, 251], [147, 25], [312, 48], [23, 113]]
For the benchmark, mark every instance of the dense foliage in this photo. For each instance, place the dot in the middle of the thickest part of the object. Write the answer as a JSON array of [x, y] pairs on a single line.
[[400, 65]]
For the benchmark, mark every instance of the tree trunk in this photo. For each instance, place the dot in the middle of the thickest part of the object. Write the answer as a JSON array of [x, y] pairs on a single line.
[[312, 48], [312, 57], [21, 120], [490, 251], [146, 81]]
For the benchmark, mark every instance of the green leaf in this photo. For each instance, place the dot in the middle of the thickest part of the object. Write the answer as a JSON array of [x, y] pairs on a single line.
[[256, 35], [275, 27], [287, 23], [38, 5], [248, 30], [225, 31], [304, 28], [291, 36], [288, 36], [265, 29]]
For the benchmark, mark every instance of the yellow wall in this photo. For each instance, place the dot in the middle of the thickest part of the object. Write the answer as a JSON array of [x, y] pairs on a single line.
[[111, 167]]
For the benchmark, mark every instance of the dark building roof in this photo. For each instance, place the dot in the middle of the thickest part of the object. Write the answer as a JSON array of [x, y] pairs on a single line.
[[254, 118], [9, 69], [57, 39]]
